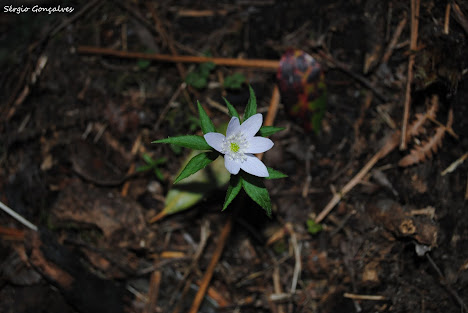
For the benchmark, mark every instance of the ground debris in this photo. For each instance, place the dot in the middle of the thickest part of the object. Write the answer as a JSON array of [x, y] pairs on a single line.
[[402, 224], [62, 268], [120, 220]]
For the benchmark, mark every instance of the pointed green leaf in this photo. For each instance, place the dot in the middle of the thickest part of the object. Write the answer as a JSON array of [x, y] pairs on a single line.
[[235, 185], [274, 174], [148, 159], [205, 121], [158, 174], [251, 108], [256, 190], [160, 161], [188, 141], [266, 131], [197, 163], [231, 109], [144, 168]]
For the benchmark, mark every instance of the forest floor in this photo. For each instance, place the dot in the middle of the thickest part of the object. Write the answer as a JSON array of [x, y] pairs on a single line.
[[76, 127]]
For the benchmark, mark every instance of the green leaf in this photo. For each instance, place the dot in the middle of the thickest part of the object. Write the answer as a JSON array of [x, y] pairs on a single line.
[[206, 124], [235, 185], [206, 68], [148, 159], [144, 168], [251, 108], [188, 141], [313, 227], [196, 80], [194, 188], [234, 81], [143, 64], [158, 174], [274, 174], [266, 131], [199, 77], [197, 163], [160, 161], [256, 190], [231, 109]]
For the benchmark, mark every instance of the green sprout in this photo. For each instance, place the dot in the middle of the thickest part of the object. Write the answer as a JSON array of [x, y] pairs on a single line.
[[152, 164]]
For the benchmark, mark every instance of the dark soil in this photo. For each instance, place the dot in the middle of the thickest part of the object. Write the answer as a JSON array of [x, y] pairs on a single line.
[[70, 122]]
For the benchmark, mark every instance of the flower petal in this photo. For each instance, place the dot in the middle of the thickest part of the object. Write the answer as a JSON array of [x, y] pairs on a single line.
[[251, 126], [215, 140], [233, 126], [254, 166], [232, 166], [259, 145]]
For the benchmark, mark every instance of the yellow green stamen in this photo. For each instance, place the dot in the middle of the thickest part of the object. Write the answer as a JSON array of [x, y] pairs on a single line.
[[234, 147]]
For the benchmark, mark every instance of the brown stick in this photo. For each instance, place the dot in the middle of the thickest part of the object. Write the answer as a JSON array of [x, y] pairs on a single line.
[[460, 17], [394, 41], [447, 19], [214, 260], [345, 68], [466, 191], [13, 233], [170, 44], [201, 13], [131, 170], [272, 110], [413, 46], [253, 63], [153, 292], [390, 144]]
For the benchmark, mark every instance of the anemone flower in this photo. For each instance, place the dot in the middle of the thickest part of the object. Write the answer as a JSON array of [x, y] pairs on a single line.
[[239, 145]]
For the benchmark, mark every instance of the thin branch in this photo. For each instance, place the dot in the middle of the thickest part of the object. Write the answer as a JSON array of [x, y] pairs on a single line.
[[415, 5], [391, 143], [394, 41], [17, 217], [345, 68], [270, 65], [214, 261], [364, 297]]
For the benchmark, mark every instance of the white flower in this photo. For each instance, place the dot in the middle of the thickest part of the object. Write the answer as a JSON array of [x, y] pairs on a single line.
[[239, 144]]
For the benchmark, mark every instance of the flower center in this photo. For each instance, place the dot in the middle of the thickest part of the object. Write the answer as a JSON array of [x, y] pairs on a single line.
[[234, 147]]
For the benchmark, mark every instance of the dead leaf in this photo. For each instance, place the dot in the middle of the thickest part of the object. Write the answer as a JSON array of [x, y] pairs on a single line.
[[119, 219], [428, 147]]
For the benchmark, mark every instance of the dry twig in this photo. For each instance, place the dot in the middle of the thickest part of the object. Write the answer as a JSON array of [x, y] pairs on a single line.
[[460, 17], [447, 19], [214, 261], [444, 283], [394, 41], [390, 144], [153, 292], [131, 170], [170, 44], [17, 217], [363, 297], [415, 5], [270, 65], [345, 68]]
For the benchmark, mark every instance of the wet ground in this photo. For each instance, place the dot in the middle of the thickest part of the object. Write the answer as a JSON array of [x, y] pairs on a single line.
[[76, 126]]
